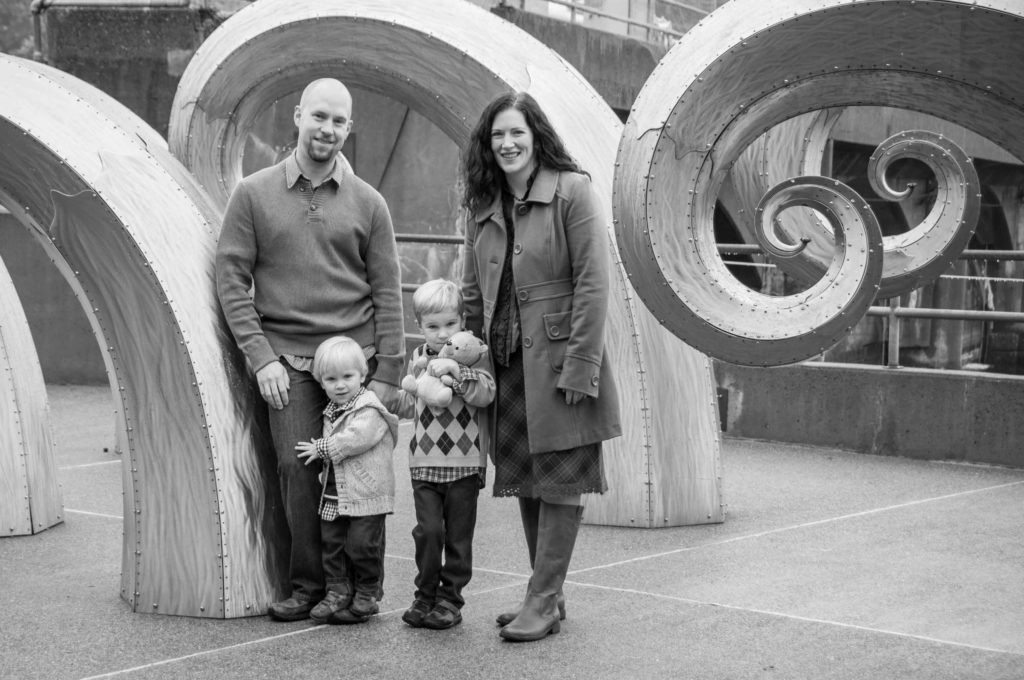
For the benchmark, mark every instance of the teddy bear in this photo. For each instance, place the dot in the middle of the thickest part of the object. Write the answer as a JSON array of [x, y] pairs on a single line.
[[463, 348]]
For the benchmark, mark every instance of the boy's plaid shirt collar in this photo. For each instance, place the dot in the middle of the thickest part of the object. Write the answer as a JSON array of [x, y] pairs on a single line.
[[334, 411]]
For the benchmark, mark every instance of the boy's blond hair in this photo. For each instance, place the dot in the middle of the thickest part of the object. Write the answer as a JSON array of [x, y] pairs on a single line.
[[437, 295], [338, 352]]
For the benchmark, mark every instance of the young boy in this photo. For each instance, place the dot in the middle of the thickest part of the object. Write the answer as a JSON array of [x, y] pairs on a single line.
[[358, 483], [446, 464]]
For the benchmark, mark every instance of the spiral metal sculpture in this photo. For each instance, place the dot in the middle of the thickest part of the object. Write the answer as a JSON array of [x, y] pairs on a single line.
[[134, 235], [910, 259], [750, 66], [447, 60]]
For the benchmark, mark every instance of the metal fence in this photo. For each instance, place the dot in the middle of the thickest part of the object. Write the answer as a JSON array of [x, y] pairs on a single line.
[[894, 313], [655, 21]]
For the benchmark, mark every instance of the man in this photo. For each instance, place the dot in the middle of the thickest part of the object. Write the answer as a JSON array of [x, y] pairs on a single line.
[[316, 245]]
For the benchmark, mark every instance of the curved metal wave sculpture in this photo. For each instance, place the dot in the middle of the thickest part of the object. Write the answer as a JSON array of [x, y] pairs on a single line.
[[447, 60], [750, 66], [910, 259], [30, 498], [134, 235]]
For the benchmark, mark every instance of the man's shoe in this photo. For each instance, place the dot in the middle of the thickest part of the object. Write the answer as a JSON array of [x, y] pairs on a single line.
[[333, 603], [414, 614], [295, 608], [443, 615]]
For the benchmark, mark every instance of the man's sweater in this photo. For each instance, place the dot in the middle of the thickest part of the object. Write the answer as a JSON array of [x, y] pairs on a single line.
[[320, 262]]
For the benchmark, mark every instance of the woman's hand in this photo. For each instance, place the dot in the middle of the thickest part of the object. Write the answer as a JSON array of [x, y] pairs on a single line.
[[307, 452], [573, 397]]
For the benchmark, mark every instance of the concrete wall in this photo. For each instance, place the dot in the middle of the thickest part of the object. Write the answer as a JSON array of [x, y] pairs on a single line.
[[917, 413], [64, 340], [616, 66]]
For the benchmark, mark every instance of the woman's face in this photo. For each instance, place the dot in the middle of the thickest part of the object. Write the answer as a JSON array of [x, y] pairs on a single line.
[[512, 144]]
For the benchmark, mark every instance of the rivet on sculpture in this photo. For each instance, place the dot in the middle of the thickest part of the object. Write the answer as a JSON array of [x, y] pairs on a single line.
[[751, 68], [447, 60]]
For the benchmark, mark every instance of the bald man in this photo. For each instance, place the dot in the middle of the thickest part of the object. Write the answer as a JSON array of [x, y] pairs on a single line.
[[316, 245]]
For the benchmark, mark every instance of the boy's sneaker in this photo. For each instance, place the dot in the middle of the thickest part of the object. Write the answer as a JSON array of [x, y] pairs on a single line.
[[333, 603], [443, 615], [414, 614]]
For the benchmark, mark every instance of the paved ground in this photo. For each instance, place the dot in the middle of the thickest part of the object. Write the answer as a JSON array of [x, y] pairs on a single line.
[[829, 565]]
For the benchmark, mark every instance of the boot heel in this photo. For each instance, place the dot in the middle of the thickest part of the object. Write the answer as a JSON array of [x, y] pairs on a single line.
[[555, 628]]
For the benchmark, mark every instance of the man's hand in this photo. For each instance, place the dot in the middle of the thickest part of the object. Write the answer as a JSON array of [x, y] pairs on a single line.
[[388, 394], [273, 382]]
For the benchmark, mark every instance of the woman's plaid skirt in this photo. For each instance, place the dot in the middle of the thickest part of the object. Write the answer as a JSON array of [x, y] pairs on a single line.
[[517, 472]]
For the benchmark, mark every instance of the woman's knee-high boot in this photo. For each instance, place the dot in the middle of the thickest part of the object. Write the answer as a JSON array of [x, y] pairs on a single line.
[[557, 528], [529, 511]]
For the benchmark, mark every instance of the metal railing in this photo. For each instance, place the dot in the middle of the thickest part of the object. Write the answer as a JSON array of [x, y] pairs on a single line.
[[651, 30], [894, 313]]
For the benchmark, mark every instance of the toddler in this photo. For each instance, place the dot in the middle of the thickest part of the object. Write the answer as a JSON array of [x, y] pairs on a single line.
[[358, 483]]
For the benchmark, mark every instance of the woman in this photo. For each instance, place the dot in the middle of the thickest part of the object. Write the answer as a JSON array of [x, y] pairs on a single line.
[[535, 282]]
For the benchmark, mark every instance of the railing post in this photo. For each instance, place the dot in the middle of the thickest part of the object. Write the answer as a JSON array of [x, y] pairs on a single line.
[[650, 19], [894, 333]]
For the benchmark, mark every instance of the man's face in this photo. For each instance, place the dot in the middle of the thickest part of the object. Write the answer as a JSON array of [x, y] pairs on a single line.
[[324, 121]]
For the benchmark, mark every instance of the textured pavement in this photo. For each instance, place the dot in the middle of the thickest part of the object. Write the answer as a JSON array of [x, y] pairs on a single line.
[[830, 564]]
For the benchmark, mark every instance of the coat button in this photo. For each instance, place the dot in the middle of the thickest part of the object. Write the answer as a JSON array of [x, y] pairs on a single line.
[[594, 381], [312, 207], [554, 331], [527, 343], [522, 209], [524, 295], [518, 248]]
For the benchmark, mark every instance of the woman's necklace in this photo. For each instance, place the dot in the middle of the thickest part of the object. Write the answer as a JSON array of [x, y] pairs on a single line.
[[529, 185]]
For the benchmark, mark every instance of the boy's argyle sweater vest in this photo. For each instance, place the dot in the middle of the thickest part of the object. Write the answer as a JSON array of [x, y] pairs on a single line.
[[445, 437]]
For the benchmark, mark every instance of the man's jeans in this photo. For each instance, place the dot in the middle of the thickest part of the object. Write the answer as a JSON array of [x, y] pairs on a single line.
[[301, 420]]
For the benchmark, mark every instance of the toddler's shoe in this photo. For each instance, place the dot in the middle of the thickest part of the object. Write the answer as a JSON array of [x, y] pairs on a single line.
[[414, 614], [295, 608], [362, 608], [443, 615], [333, 603], [364, 605]]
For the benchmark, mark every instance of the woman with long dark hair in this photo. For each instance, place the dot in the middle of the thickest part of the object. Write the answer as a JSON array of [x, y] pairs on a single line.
[[535, 282]]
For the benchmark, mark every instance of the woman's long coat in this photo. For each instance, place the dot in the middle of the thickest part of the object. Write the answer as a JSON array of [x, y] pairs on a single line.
[[561, 266]]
